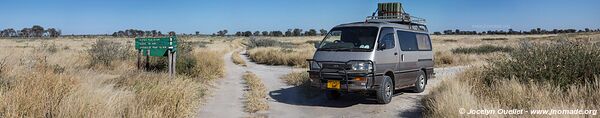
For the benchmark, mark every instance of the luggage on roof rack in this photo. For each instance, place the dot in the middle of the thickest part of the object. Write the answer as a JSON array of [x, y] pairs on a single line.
[[394, 13]]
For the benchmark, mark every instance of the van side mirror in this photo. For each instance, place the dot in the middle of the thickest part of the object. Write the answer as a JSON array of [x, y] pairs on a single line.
[[316, 45], [381, 46]]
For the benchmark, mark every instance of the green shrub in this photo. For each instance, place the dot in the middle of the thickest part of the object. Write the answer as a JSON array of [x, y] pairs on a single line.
[[104, 52], [482, 49], [562, 63]]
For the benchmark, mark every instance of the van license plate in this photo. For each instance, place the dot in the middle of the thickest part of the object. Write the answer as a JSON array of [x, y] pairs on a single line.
[[333, 84]]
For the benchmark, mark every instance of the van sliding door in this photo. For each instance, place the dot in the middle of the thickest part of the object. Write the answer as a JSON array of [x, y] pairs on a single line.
[[407, 66]]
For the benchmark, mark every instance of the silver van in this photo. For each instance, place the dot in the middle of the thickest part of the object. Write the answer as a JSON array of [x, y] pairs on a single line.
[[375, 57]]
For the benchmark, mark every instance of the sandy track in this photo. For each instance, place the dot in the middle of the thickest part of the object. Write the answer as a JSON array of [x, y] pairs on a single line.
[[226, 100], [288, 102]]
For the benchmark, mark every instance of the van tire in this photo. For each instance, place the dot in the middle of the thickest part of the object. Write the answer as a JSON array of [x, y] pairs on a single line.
[[386, 90], [420, 83], [332, 94]]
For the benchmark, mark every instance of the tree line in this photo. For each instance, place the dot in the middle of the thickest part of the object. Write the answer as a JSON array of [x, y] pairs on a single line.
[[34, 31], [514, 32], [140, 33], [289, 32]]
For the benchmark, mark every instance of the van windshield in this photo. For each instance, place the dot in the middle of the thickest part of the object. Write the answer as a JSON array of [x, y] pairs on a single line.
[[349, 39]]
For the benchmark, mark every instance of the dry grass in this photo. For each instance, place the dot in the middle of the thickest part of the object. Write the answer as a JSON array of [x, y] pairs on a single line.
[[256, 94], [524, 79], [446, 58], [467, 92], [281, 56], [42, 78], [235, 57], [296, 78], [301, 79], [210, 64]]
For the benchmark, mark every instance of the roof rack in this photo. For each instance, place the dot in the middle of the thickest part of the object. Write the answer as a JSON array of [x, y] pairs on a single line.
[[402, 19]]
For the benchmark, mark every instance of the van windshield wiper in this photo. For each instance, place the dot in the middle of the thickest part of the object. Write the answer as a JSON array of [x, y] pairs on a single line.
[[335, 49], [344, 49], [360, 49]]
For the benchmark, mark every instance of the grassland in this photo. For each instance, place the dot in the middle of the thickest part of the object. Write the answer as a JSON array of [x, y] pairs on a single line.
[[97, 77], [74, 77], [556, 72]]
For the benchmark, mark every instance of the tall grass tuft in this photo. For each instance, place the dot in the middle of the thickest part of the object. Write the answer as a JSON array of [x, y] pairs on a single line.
[[235, 57], [256, 95], [280, 56]]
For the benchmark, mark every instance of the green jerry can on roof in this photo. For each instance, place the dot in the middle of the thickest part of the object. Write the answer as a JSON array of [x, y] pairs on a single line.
[[157, 47]]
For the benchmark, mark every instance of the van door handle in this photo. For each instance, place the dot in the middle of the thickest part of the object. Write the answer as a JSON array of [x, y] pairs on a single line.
[[395, 53], [402, 56]]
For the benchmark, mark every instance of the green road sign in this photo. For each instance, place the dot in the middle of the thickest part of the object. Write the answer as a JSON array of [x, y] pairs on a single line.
[[157, 47]]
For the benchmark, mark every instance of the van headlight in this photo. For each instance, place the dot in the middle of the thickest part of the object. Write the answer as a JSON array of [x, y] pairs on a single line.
[[361, 66], [314, 65]]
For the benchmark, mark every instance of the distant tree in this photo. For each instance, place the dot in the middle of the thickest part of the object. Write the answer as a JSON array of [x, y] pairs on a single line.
[[265, 33], [37, 30], [288, 32], [437, 33], [256, 33], [53, 32], [323, 32], [277, 33], [172, 33], [247, 33], [25, 32], [222, 33], [297, 32], [238, 33], [197, 33], [311, 32]]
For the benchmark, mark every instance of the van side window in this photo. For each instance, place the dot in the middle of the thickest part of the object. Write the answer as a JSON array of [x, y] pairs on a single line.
[[423, 42], [408, 40], [387, 37]]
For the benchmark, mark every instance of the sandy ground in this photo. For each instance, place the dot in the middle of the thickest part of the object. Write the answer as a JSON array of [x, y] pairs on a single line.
[[288, 102], [226, 101]]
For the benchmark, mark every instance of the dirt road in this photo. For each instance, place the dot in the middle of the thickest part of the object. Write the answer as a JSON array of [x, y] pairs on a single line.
[[288, 102], [226, 100]]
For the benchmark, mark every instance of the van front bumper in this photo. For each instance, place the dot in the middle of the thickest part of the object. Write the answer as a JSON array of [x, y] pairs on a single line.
[[349, 80], [347, 85]]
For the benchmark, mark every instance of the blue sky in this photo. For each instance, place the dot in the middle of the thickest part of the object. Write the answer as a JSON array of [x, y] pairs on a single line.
[[188, 16]]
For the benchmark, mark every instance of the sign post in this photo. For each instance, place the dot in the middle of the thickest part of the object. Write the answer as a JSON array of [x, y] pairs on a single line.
[[157, 47]]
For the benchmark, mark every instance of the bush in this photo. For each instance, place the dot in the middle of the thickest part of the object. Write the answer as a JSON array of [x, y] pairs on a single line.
[[482, 49], [104, 52], [562, 63], [254, 43]]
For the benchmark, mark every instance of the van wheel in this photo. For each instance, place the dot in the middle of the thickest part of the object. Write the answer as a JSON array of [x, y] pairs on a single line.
[[332, 94], [385, 92], [420, 83]]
